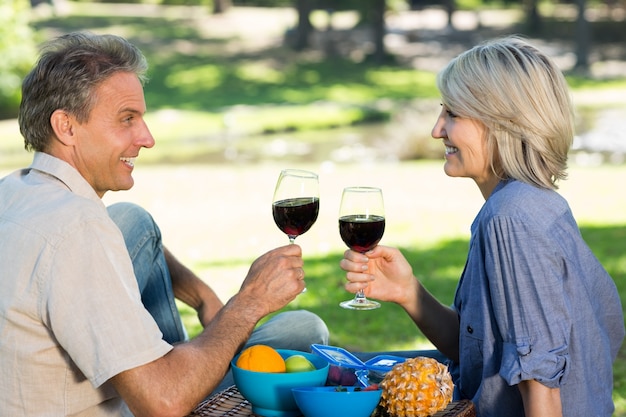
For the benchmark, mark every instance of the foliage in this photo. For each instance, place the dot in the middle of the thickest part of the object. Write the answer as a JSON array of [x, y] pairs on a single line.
[[17, 49]]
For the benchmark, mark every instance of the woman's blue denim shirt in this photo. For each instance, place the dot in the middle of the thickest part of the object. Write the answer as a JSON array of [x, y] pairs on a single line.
[[535, 303]]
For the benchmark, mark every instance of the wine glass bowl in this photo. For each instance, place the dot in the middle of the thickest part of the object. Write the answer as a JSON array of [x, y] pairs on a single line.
[[361, 227], [296, 202], [361, 232]]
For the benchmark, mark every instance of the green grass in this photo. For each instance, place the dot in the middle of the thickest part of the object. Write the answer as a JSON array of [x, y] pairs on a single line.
[[440, 265], [439, 262]]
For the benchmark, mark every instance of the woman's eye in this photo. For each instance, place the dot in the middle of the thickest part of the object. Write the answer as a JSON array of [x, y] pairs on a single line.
[[448, 112]]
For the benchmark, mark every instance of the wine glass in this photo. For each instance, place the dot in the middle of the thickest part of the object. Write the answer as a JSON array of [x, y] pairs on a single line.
[[361, 226], [296, 202]]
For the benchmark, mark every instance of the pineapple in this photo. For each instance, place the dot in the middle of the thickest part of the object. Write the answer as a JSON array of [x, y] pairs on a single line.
[[419, 387]]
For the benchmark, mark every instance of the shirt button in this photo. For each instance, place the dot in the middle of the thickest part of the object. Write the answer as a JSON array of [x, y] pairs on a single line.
[[470, 330]]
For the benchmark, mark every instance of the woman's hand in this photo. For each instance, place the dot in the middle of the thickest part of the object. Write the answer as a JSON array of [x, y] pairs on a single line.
[[383, 273]]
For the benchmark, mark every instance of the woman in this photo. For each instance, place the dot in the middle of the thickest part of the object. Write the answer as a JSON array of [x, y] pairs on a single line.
[[536, 322]]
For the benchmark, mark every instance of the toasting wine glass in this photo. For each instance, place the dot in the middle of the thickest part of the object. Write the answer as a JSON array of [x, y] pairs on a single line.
[[296, 201], [361, 226]]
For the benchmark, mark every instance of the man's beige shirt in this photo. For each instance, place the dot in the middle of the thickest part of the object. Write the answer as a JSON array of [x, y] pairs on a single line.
[[71, 315]]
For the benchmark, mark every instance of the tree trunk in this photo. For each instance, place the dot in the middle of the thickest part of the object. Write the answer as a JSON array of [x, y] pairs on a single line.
[[583, 39], [304, 29], [378, 26], [450, 7], [220, 6], [533, 18]]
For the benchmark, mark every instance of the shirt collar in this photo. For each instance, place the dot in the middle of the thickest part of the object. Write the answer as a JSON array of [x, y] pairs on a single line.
[[500, 185], [65, 173]]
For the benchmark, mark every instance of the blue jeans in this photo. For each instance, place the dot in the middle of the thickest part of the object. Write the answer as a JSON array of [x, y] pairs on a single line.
[[143, 241], [295, 330]]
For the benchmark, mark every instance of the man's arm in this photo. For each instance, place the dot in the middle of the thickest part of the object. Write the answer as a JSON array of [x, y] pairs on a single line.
[[175, 383], [192, 290]]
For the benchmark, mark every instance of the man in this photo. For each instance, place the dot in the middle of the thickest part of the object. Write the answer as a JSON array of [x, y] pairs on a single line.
[[88, 323]]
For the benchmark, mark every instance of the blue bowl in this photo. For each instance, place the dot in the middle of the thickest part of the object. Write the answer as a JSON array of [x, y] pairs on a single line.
[[269, 393], [328, 402]]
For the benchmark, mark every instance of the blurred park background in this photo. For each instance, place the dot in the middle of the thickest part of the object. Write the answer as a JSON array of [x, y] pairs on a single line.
[[240, 89]]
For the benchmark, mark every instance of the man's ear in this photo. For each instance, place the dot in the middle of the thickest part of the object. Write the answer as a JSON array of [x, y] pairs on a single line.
[[62, 125]]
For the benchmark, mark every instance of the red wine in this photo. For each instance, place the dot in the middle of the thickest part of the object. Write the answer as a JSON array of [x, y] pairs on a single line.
[[361, 232], [294, 216]]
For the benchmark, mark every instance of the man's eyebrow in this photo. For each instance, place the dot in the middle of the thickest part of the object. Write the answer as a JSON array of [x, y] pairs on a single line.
[[130, 110]]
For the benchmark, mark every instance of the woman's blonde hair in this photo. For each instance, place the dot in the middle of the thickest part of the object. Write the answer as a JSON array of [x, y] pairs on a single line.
[[523, 100]]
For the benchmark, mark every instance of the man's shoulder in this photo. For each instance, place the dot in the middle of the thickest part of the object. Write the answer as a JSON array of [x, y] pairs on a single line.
[[49, 208]]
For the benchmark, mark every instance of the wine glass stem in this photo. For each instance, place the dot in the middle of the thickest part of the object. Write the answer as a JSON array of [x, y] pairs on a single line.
[[292, 239], [360, 295]]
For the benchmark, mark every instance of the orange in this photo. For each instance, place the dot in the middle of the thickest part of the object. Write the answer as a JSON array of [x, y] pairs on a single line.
[[261, 358]]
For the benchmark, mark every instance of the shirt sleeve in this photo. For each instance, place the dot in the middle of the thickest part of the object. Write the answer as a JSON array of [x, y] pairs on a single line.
[[525, 272], [92, 304]]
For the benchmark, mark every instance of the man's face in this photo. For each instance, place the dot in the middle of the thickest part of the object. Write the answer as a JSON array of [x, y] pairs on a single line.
[[108, 143]]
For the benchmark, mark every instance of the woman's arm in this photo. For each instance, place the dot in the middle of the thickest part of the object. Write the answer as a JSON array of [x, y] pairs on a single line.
[[539, 400]]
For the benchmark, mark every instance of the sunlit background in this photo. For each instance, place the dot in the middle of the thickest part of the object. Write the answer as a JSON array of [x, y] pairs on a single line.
[[242, 89]]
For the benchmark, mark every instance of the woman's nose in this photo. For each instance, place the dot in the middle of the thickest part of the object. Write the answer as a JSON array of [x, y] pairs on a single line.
[[438, 131]]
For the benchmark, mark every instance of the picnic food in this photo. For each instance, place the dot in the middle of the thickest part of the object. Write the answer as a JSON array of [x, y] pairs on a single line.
[[338, 375], [298, 363], [261, 358], [418, 387]]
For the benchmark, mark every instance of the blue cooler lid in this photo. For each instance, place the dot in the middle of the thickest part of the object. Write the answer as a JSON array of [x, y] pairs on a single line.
[[338, 356], [383, 363]]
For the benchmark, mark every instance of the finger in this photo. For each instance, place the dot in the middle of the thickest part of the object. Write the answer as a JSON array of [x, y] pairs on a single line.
[[350, 266], [291, 249], [355, 256], [355, 286], [359, 278]]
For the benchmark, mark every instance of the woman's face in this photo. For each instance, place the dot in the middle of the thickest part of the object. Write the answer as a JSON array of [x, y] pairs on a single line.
[[466, 149]]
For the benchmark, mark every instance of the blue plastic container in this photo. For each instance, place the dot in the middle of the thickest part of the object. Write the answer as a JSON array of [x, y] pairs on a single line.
[[343, 362], [328, 402], [270, 394]]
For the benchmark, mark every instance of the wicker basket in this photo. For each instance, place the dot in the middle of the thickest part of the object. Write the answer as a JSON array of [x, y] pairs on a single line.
[[230, 403]]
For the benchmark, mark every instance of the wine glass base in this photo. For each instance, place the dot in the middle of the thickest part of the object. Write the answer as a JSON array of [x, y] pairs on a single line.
[[360, 304]]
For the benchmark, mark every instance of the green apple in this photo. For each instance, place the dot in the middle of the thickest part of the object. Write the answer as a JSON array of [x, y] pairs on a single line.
[[298, 363]]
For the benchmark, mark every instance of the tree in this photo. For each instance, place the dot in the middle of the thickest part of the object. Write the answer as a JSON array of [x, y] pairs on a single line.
[[533, 18], [18, 52], [582, 36], [221, 6], [304, 28], [378, 29]]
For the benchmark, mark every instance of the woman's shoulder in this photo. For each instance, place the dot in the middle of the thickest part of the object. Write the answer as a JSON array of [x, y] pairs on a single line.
[[519, 196], [516, 200]]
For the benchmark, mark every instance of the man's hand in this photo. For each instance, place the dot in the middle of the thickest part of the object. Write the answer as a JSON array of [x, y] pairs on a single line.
[[274, 279]]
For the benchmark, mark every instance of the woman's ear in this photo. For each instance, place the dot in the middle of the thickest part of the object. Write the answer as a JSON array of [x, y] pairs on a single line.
[[61, 123]]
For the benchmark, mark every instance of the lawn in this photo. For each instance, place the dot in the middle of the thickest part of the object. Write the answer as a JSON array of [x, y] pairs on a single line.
[[438, 259]]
